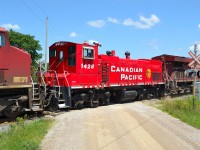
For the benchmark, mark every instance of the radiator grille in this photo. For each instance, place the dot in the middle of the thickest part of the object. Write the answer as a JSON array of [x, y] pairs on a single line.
[[156, 76]]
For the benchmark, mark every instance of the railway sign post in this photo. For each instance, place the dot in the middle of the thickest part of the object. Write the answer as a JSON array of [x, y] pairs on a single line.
[[195, 62]]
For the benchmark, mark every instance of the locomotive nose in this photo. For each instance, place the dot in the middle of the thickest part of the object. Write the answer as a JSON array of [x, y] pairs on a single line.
[[47, 78]]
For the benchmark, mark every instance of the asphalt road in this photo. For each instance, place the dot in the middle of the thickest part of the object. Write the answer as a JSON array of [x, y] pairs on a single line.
[[130, 126]]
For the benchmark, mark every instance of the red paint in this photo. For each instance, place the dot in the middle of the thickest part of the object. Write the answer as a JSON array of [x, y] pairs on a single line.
[[101, 71], [15, 62]]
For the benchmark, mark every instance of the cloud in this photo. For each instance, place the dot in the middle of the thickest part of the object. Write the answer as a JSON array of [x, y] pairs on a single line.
[[73, 34], [143, 23], [10, 26], [199, 26], [92, 41], [97, 23], [128, 22], [191, 48], [113, 20]]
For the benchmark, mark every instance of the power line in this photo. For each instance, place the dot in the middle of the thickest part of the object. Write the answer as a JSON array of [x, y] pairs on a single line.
[[43, 12], [30, 9], [37, 5], [51, 27]]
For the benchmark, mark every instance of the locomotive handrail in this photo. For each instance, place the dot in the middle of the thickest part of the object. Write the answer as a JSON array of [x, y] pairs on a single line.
[[32, 86], [65, 71], [31, 79], [170, 79], [33, 90], [55, 74], [52, 64], [59, 63], [56, 78], [45, 86], [168, 76]]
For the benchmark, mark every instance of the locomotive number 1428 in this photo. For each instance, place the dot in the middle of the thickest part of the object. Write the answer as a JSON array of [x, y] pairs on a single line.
[[87, 66]]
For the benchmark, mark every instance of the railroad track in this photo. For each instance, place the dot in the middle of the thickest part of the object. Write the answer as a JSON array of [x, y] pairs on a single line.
[[30, 116], [6, 120]]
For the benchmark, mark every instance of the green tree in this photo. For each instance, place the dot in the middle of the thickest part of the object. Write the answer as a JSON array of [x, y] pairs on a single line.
[[26, 42]]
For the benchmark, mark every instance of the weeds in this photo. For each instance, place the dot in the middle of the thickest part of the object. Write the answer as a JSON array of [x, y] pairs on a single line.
[[184, 109], [25, 135]]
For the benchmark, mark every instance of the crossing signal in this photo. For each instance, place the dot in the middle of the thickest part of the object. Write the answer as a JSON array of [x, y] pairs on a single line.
[[189, 73], [198, 74]]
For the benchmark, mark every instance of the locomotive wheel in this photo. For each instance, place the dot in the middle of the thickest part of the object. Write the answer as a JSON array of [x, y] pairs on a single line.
[[141, 97], [108, 101], [12, 111], [94, 104], [52, 103]]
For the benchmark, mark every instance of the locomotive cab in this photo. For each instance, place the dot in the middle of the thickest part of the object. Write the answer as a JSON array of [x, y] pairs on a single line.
[[73, 61], [72, 66]]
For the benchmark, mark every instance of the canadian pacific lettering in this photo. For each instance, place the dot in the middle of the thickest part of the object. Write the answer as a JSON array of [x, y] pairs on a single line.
[[131, 77], [125, 69], [125, 72]]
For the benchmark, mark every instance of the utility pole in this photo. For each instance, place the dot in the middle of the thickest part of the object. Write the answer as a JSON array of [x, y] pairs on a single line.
[[194, 83], [46, 49]]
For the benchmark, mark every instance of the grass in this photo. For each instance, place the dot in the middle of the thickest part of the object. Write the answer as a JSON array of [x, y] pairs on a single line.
[[25, 136], [183, 109]]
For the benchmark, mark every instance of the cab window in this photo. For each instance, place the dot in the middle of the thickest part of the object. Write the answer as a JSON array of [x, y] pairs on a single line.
[[61, 56], [88, 53], [2, 40], [71, 56], [52, 53]]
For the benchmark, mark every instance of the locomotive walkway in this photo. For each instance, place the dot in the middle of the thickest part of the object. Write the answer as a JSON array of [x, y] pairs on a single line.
[[130, 126]]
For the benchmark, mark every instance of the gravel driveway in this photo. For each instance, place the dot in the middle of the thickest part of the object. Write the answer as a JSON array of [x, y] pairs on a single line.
[[120, 127]]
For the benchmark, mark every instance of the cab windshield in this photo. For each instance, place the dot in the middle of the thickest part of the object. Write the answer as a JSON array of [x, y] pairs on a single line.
[[2, 40]]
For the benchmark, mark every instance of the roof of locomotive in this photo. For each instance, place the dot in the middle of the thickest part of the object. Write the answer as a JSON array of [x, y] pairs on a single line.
[[166, 57], [2, 29], [63, 43]]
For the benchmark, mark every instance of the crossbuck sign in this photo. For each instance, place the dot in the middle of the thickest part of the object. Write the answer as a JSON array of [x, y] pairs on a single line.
[[195, 59]]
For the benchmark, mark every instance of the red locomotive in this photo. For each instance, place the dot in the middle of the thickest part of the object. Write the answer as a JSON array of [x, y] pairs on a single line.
[[17, 90], [83, 77], [78, 76], [177, 75]]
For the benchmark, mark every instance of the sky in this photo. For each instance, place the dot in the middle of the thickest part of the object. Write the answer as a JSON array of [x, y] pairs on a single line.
[[145, 28]]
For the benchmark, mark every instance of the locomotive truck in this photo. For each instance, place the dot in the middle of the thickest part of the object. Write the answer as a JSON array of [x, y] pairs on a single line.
[[80, 77]]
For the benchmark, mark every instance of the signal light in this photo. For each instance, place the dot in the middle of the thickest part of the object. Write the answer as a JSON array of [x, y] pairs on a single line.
[[198, 74], [191, 73]]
